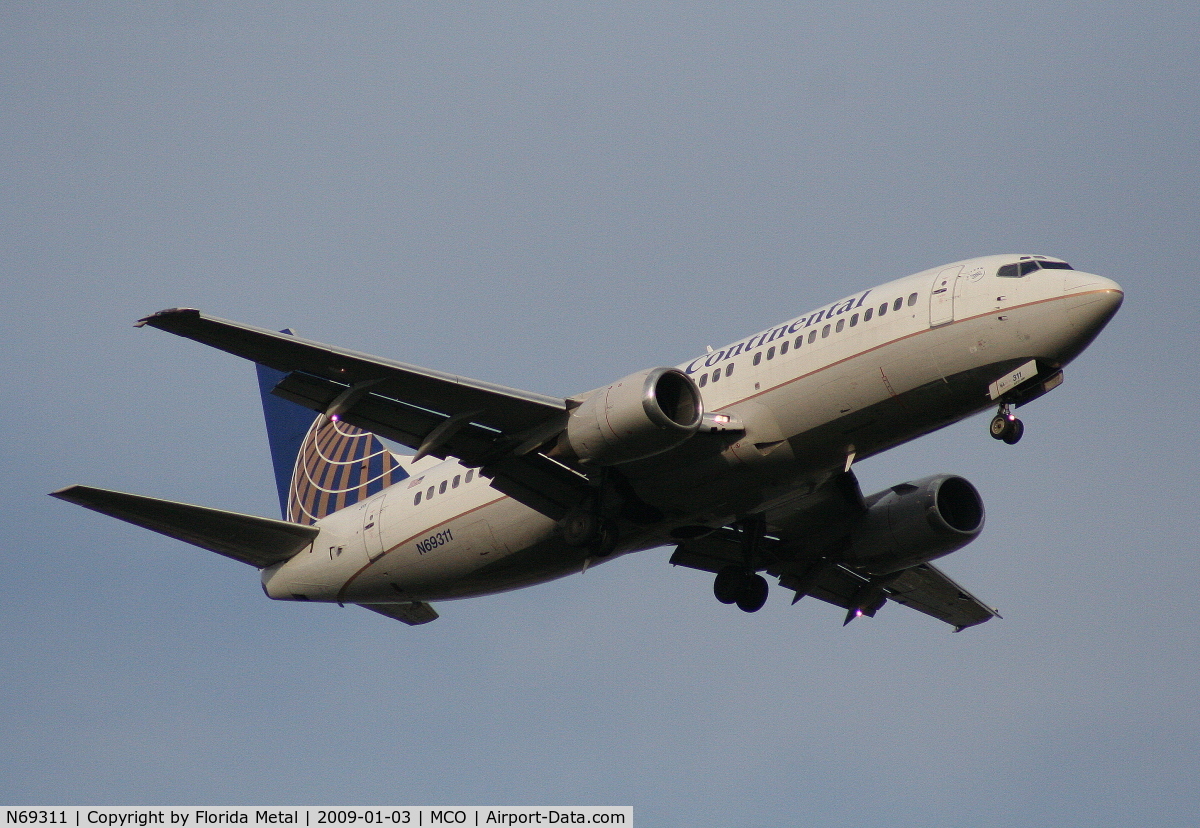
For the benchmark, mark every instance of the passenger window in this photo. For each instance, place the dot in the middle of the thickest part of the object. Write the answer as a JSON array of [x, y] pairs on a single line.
[[841, 325], [912, 299], [729, 369], [457, 479], [771, 352], [429, 493], [703, 380], [899, 301], [883, 309], [470, 474], [417, 499], [758, 358], [716, 375], [853, 320], [783, 349], [867, 314], [812, 336], [824, 332], [799, 340], [442, 488]]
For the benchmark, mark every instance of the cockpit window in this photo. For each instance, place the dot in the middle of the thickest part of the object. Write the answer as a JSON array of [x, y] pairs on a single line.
[[1027, 266]]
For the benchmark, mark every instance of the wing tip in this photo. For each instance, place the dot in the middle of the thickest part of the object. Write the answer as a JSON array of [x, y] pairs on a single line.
[[69, 493], [154, 319]]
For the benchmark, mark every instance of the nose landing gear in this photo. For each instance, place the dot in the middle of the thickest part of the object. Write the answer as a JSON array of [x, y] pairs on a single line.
[[1005, 426]]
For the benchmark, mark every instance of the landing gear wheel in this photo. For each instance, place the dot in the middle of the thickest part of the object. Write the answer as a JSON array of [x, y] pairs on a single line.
[[753, 594], [999, 426], [1016, 430], [1005, 426], [735, 585], [728, 584]]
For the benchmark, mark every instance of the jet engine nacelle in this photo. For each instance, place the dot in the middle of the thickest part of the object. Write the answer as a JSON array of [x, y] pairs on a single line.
[[642, 415], [916, 522]]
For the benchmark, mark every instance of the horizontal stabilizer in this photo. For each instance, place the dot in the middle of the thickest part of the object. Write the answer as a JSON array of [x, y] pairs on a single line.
[[253, 540], [412, 613]]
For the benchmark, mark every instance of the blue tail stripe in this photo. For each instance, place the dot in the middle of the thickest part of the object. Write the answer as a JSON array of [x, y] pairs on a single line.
[[287, 423]]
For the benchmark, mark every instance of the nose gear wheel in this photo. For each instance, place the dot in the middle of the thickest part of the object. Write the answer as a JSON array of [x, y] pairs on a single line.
[[1005, 426]]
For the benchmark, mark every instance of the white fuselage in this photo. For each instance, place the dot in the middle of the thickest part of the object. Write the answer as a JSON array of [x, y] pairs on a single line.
[[836, 384]]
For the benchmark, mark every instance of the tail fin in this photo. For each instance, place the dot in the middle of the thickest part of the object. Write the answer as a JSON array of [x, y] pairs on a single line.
[[321, 465]]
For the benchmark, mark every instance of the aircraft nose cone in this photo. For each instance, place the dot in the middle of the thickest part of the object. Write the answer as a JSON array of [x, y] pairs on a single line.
[[1077, 281], [1093, 301]]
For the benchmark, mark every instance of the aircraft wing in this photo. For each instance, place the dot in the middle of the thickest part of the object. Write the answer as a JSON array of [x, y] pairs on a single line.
[[496, 428], [924, 587], [927, 589], [252, 540]]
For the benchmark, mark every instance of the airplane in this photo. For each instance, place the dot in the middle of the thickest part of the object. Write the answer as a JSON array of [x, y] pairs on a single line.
[[741, 458]]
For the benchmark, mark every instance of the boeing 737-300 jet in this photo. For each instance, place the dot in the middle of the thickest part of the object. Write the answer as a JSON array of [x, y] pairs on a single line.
[[741, 458]]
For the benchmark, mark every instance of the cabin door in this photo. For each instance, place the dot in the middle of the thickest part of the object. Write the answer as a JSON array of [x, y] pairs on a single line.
[[941, 296], [372, 524]]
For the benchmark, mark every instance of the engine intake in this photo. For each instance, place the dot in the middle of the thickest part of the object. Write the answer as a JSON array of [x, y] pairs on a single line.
[[916, 522], [639, 416]]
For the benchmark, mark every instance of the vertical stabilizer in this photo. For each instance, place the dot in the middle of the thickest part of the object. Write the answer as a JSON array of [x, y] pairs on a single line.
[[321, 465], [287, 424]]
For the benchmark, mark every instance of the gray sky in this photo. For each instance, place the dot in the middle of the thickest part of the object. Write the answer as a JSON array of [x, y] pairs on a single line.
[[552, 196]]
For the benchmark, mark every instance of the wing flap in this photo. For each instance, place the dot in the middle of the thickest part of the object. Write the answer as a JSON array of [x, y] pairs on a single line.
[[539, 482], [927, 589], [394, 419], [252, 540]]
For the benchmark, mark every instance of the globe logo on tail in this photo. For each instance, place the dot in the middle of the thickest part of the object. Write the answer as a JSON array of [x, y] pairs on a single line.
[[337, 466]]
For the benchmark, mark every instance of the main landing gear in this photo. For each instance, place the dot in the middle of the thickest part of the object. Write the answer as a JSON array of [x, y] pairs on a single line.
[[741, 585], [1005, 426], [738, 585]]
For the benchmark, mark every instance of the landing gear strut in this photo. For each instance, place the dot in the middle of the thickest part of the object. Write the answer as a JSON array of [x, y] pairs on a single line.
[[1005, 426]]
